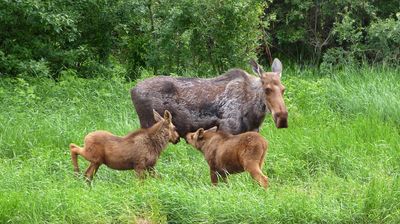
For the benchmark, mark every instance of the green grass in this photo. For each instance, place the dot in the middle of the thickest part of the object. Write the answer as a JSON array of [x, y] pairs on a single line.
[[338, 162]]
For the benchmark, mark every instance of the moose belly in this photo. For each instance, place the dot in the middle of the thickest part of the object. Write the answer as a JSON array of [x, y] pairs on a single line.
[[229, 165], [120, 163], [231, 169]]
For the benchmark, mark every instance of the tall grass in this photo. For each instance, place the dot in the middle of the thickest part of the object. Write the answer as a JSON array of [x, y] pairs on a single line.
[[337, 162]]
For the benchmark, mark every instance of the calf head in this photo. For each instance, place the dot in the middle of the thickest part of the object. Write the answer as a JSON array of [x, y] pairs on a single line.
[[198, 138], [274, 90], [167, 124]]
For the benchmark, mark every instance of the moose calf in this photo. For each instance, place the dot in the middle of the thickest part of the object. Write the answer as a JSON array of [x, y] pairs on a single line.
[[228, 154], [138, 150]]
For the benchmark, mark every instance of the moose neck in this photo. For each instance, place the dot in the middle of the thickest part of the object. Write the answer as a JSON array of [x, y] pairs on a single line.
[[259, 95], [158, 136], [210, 140]]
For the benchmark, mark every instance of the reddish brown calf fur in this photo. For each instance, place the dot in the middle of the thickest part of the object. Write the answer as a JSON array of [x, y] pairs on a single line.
[[228, 154], [138, 150]]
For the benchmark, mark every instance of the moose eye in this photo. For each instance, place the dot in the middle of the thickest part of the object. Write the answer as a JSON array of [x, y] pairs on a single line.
[[268, 90]]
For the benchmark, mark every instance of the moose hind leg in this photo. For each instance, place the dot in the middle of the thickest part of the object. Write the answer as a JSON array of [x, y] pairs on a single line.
[[253, 168], [144, 109], [91, 171], [75, 151], [262, 160]]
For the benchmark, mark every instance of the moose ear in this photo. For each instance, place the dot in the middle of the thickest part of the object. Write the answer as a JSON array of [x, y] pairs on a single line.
[[200, 133], [167, 116], [256, 67], [277, 66], [213, 129], [157, 116]]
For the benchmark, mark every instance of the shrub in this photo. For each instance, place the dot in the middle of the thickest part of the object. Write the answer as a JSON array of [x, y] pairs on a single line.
[[383, 40]]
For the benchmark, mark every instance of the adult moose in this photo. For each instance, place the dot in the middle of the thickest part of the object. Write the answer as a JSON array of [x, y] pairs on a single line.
[[236, 102]]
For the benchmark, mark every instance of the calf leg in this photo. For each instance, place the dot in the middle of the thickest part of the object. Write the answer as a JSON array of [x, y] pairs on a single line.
[[153, 173], [74, 156], [224, 176], [214, 177], [139, 169], [87, 154], [262, 159], [91, 171], [253, 168]]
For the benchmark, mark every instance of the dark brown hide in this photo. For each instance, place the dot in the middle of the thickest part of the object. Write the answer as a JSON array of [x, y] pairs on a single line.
[[236, 102]]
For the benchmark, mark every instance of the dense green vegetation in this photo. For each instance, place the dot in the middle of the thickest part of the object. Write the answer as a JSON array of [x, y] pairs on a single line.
[[99, 37], [337, 162]]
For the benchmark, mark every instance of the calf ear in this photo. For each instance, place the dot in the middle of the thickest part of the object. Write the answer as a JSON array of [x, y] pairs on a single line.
[[277, 66], [200, 133], [213, 129], [157, 116], [167, 116], [256, 67]]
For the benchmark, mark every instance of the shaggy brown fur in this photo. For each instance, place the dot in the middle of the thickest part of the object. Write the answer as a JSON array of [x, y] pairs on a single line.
[[236, 101], [138, 150], [228, 154]]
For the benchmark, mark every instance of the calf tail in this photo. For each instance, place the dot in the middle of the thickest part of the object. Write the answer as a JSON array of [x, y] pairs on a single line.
[[74, 156]]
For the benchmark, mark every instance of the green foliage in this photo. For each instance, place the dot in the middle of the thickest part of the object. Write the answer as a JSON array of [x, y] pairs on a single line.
[[165, 36], [384, 40], [310, 30], [95, 37], [33, 35], [379, 42], [55, 35], [336, 163], [205, 36]]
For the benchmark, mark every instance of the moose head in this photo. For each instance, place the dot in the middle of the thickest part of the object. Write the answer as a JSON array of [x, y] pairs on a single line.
[[274, 90]]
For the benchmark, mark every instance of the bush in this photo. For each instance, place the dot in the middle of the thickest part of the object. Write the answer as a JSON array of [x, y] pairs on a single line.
[[205, 36], [383, 40], [311, 31], [379, 42]]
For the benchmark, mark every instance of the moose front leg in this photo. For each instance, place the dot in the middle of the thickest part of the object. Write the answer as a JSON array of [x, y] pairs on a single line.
[[230, 125]]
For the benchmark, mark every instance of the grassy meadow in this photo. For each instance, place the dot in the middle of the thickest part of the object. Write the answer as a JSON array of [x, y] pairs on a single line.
[[338, 162]]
